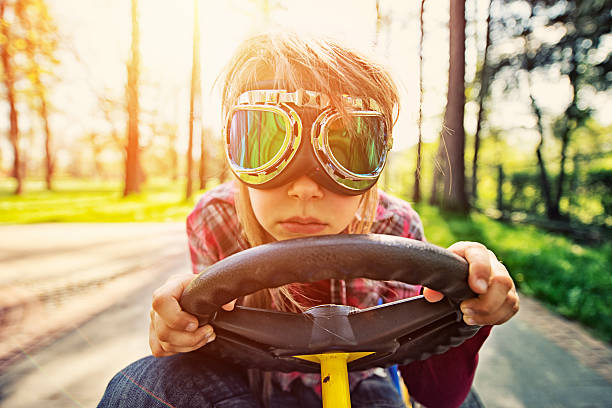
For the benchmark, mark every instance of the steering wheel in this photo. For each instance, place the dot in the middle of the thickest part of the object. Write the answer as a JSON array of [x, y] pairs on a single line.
[[396, 333]]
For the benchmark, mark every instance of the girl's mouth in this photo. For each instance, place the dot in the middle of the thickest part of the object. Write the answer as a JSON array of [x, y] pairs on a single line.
[[303, 225]]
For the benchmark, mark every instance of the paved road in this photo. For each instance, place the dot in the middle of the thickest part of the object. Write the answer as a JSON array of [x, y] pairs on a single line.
[[539, 360], [535, 360]]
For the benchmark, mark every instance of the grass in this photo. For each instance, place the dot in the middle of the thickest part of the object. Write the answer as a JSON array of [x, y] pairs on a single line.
[[93, 201], [574, 280]]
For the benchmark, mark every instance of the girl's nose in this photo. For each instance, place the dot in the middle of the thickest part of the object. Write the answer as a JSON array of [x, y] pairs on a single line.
[[305, 188]]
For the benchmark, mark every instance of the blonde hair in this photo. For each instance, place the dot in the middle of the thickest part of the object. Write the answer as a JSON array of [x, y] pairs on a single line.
[[295, 62]]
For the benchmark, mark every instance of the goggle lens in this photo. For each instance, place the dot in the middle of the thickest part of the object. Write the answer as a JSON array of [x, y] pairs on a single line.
[[358, 143], [264, 133], [255, 137]]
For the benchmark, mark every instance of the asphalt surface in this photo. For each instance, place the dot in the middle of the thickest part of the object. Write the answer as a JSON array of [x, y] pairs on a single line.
[[534, 360]]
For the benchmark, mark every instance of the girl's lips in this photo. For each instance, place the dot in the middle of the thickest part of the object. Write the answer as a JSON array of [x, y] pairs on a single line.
[[303, 225]]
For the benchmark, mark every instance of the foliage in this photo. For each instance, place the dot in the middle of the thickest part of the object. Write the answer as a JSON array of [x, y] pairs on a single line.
[[599, 182], [560, 38], [572, 279], [523, 196]]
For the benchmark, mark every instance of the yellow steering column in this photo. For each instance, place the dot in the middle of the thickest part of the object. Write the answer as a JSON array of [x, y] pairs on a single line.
[[334, 376]]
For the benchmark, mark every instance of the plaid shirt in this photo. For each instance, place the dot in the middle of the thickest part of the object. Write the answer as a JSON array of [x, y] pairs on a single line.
[[214, 233]]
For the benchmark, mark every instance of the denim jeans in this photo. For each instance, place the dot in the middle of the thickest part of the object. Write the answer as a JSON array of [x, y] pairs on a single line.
[[189, 380]]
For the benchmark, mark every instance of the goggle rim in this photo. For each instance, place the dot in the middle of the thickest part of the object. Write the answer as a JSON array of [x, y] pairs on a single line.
[[320, 138], [274, 166], [276, 101]]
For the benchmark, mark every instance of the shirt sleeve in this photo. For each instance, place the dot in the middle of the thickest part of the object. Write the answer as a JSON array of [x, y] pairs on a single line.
[[445, 380], [203, 248], [213, 230]]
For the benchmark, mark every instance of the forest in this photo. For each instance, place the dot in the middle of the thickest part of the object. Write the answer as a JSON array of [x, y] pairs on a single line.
[[507, 116]]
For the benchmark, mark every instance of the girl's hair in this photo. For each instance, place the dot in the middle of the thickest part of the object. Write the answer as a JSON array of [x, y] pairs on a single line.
[[295, 62]]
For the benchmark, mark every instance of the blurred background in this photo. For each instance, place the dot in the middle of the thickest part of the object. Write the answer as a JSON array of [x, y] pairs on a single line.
[[109, 112]]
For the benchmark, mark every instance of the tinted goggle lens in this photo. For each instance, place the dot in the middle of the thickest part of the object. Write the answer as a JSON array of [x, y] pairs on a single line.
[[358, 142], [256, 137], [262, 140]]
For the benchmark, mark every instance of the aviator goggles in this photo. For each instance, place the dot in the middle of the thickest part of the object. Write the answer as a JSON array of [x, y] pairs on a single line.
[[345, 153]]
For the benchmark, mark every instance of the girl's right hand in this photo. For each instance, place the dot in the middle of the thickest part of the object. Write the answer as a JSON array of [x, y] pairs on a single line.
[[173, 330]]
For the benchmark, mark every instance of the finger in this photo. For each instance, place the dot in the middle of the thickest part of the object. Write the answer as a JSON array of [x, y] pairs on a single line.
[[499, 303], [432, 295], [154, 344], [179, 349], [479, 261], [229, 306], [166, 303], [500, 316], [179, 343], [179, 338]]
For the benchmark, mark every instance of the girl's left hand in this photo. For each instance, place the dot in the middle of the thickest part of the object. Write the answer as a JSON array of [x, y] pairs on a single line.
[[497, 300]]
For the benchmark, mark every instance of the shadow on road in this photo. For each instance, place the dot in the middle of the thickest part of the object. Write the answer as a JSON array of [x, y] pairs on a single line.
[[525, 363]]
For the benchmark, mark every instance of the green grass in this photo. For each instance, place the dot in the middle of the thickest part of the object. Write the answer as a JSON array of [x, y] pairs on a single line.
[[92, 201], [574, 280]]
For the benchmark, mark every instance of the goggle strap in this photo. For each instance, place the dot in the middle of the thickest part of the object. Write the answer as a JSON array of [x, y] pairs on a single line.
[[302, 98]]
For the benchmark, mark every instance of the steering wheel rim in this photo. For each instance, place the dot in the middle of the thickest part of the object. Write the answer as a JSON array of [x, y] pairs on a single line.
[[381, 257]]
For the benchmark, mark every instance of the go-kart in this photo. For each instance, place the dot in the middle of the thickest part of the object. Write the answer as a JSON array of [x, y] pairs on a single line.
[[333, 339]]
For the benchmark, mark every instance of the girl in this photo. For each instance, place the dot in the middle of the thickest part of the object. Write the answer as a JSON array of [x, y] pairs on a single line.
[[308, 127]]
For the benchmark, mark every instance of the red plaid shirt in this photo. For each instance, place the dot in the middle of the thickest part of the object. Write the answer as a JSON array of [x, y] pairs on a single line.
[[214, 233]]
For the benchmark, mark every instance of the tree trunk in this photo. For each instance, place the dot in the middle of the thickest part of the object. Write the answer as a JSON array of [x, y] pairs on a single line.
[[552, 211], [565, 132], [203, 160], [202, 174], [9, 82], [133, 169], [453, 135], [500, 189], [416, 193], [564, 144], [484, 89], [50, 167], [195, 93]]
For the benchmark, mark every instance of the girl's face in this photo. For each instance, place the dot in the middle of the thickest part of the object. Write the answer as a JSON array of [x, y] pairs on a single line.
[[302, 208]]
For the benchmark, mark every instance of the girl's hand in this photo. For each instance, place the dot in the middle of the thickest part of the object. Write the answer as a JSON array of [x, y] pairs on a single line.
[[497, 300], [173, 330]]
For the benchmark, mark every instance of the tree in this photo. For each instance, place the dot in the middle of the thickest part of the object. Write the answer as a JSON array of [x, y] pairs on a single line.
[[40, 46], [195, 98], [575, 55], [452, 137], [416, 192], [9, 48], [133, 169], [483, 77]]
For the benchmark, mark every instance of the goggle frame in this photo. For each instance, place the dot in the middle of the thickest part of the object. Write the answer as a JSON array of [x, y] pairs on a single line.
[[277, 101]]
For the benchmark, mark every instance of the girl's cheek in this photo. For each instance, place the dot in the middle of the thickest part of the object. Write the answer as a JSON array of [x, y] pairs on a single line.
[[344, 209]]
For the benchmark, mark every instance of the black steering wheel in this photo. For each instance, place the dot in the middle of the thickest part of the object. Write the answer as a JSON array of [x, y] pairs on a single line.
[[396, 333]]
